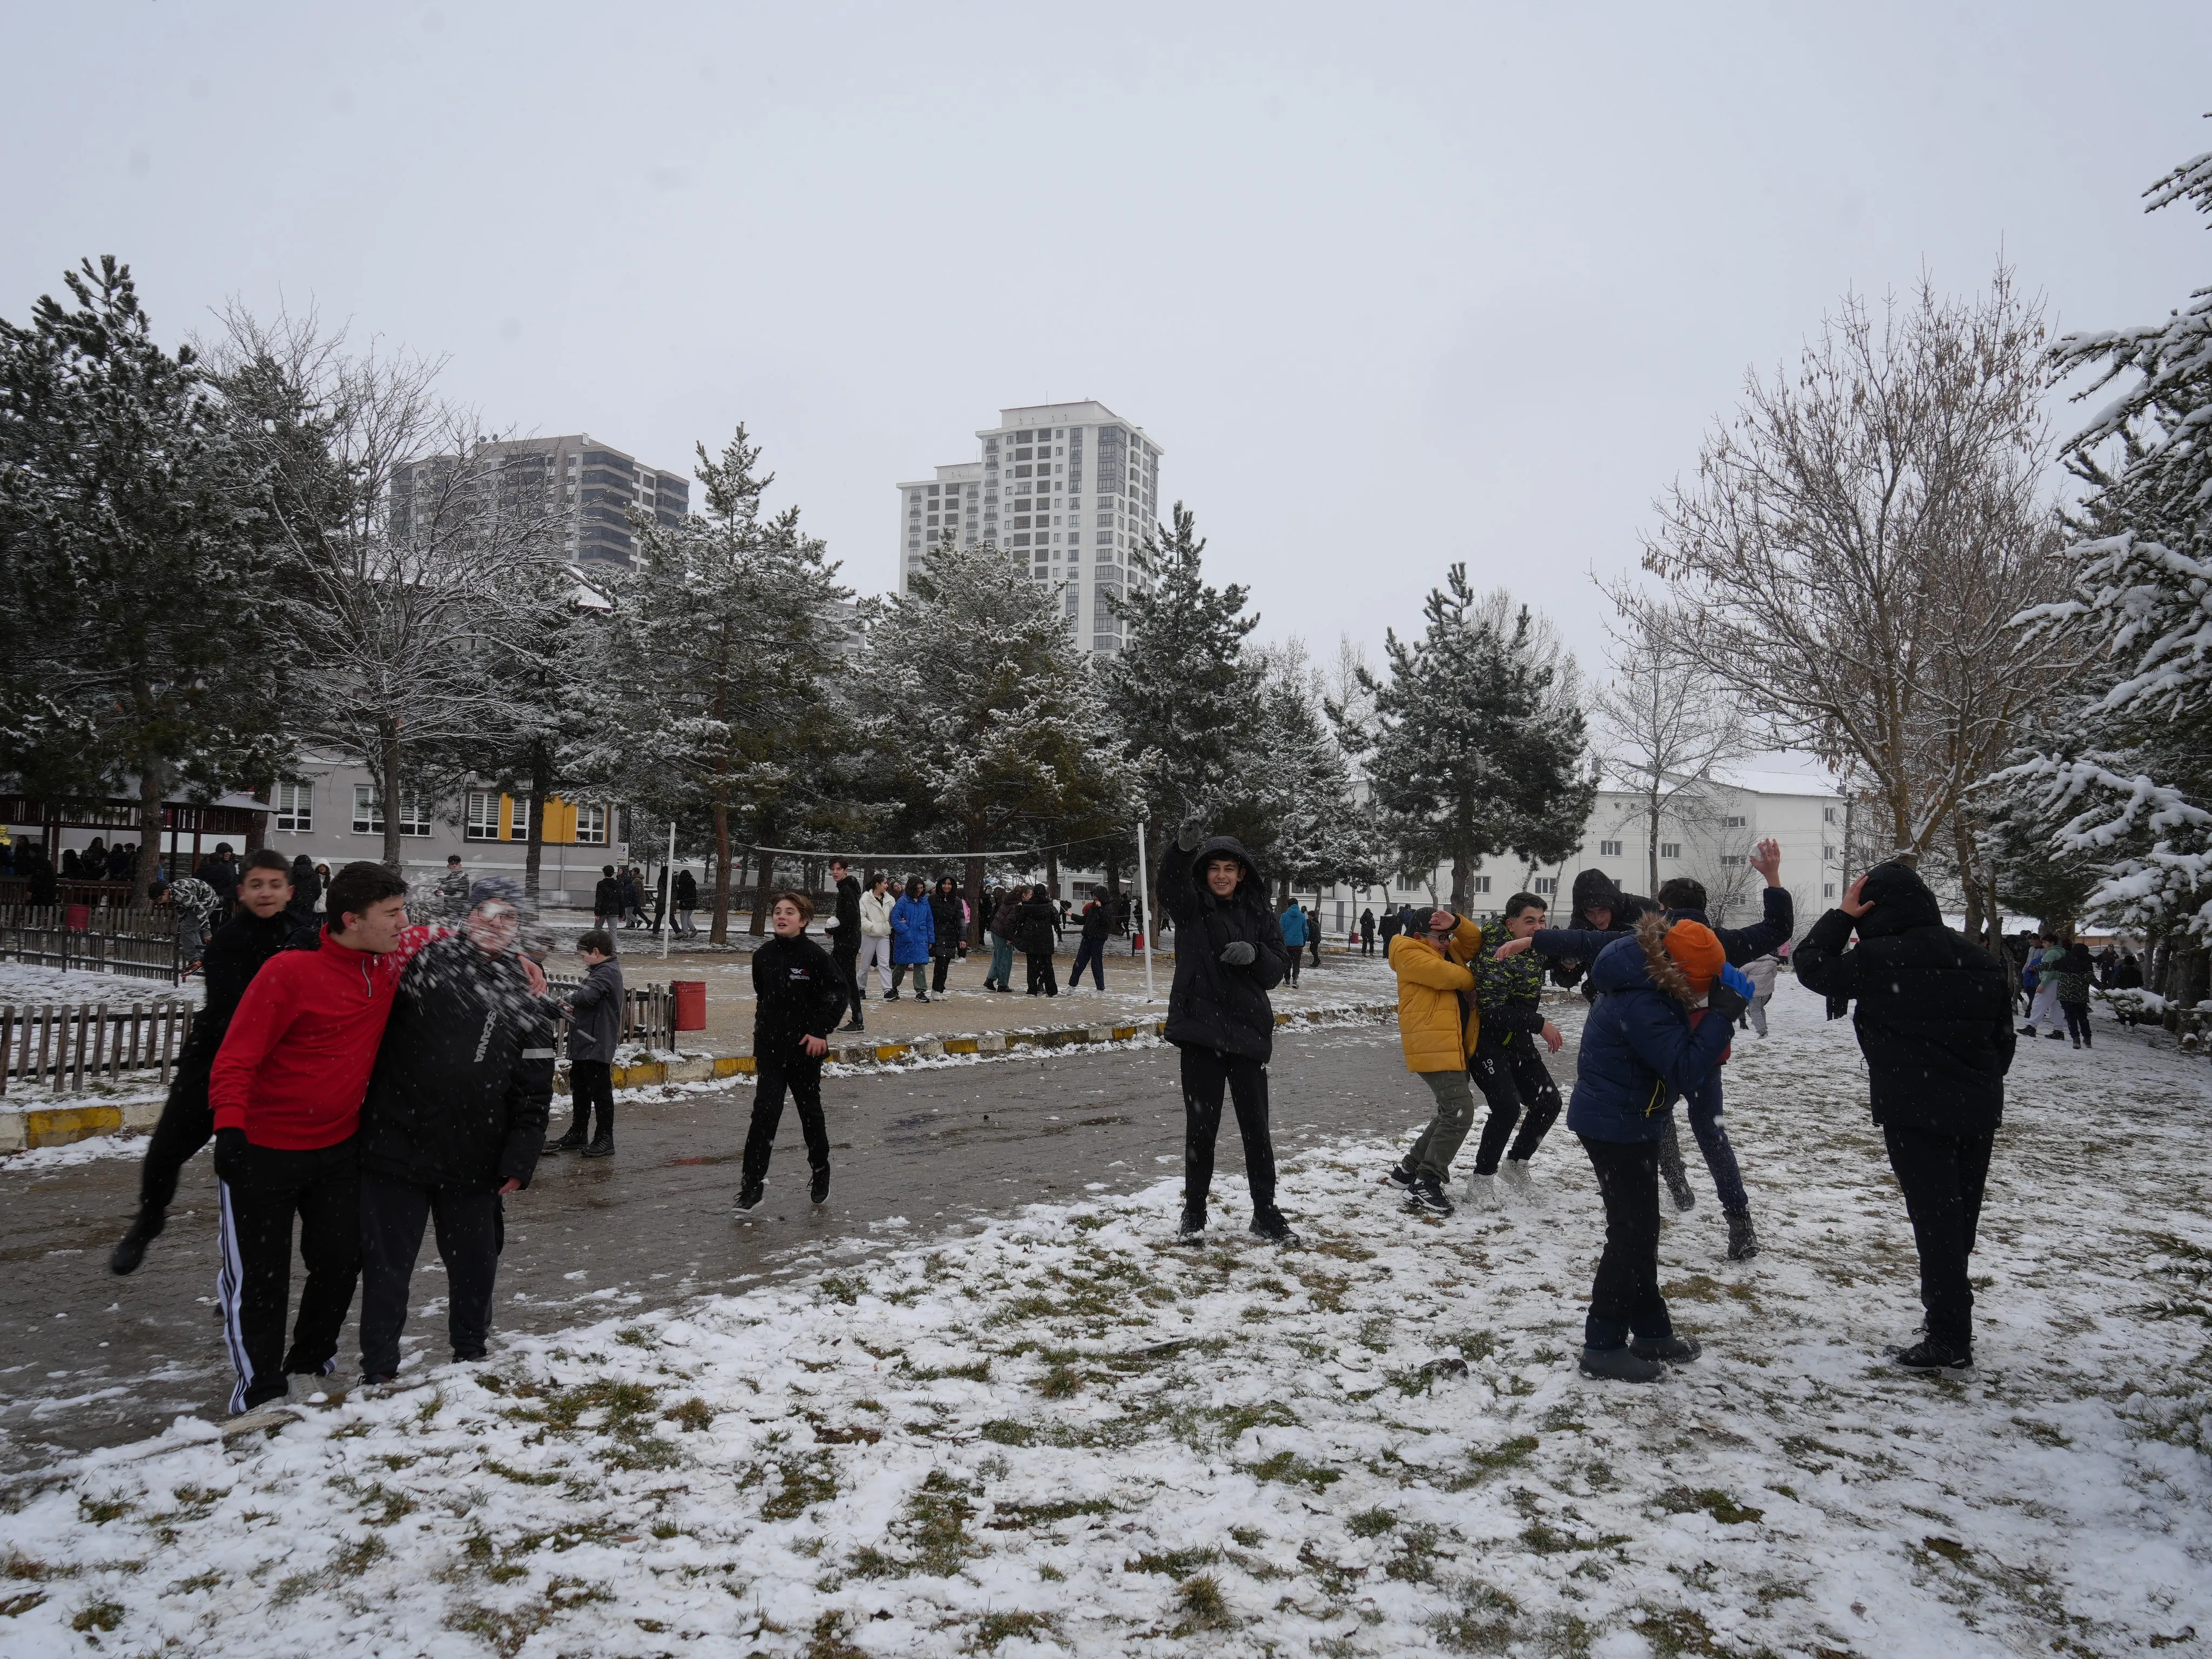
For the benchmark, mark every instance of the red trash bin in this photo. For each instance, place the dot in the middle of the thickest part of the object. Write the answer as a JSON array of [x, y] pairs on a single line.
[[77, 918], [690, 1003]]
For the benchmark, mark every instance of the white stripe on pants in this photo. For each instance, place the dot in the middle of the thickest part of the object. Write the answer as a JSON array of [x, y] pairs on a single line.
[[875, 952], [229, 1291]]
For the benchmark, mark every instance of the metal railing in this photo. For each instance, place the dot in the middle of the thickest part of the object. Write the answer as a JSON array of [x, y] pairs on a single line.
[[59, 1047], [648, 1011], [133, 944]]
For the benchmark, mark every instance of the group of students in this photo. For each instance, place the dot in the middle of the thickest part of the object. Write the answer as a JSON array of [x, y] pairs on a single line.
[[361, 1081]]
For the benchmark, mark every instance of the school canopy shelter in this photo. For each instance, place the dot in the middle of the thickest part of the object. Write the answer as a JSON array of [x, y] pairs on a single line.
[[190, 829]]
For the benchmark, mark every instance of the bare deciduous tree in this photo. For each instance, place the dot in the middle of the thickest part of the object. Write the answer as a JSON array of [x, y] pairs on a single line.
[[1858, 538]]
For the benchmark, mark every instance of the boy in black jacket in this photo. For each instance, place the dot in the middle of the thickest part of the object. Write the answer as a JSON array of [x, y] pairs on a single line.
[[452, 1122], [798, 995], [264, 924], [1934, 1023]]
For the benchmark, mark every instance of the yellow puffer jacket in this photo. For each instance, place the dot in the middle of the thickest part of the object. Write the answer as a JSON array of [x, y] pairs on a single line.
[[1438, 1034]]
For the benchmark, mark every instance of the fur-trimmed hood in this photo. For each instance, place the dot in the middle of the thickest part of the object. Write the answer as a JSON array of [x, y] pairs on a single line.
[[1641, 960]]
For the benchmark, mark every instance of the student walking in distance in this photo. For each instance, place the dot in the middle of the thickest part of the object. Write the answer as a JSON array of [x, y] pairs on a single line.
[[2072, 978], [877, 905], [1090, 948], [287, 1088], [1367, 933], [2043, 962], [1640, 1048], [266, 923], [607, 901], [1292, 922], [844, 930], [594, 1012], [1004, 919], [452, 890], [1229, 955], [1036, 928], [950, 915], [1934, 1019], [796, 1002], [1437, 1025], [687, 900], [914, 936], [453, 1123], [1508, 1065]]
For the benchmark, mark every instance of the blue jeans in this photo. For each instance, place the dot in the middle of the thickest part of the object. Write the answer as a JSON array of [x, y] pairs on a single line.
[[1093, 951], [1704, 1107], [1002, 960]]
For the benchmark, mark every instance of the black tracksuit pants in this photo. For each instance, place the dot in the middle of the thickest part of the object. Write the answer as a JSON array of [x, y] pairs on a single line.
[[1624, 1299], [592, 1087], [1511, 1078], [1041, 977], [186, 1124], [472, 1228], [1943, 1178], [322, 1189], [1206, 1072], [2077, 1021], [848, 964], [801, 1073]]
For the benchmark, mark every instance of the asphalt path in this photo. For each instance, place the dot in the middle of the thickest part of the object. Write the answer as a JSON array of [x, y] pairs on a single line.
[[90, 1359]]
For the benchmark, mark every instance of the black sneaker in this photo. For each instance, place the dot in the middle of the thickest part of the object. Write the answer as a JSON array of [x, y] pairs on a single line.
[[2056, 1036], [1269, 1223], [2027, 1030], [1743, 1241], [1676, 1350], [1399, 1176], [820, 1189], [1193, 1224], [922, 996], [571, 1142], [130, 1249], [1929, 1355], [1426, 1197], [1621, 1365], [603, 1147], [749, 1196], [852, 1025], [890, 996]]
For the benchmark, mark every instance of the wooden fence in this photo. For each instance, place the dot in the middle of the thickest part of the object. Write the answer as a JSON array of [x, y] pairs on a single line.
[[60, 1047], [133, 944], [649, 1012]]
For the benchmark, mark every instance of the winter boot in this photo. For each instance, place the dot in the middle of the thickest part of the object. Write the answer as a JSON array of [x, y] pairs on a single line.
[[1426, 1197], [1192, 1225], [1621, 1365], [2027, 1030], [1269, 1223], [1676, 1350], [603, 1147], [1743, 1242], [2056, 1036], [1670, 1167], [1514, 1182], [820, 1190], [571, 1142], [1928, 1354], [1481, 1193], [749, 1196], [130, 1249]]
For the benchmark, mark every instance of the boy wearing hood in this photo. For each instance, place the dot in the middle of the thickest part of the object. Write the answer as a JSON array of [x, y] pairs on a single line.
[[1229, 955], [1667, 1002], [1439, 1025], [452, 1122], [1933, 1018]]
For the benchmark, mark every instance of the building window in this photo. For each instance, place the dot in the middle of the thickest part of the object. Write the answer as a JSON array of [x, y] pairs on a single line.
[[296, 808], [1731, 858], [1609, 849], [1547, 885], [1828, 815], [1827, 852], [1732, 823], [368, 814], [480, 819], [518, 821], [1827, 889], [590, 826], [1477, 883], [1670, 849]]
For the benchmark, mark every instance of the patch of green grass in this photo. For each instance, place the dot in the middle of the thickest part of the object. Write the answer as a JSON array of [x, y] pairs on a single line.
[[1370, 1524], [1059, 1383], [1172, 1564], [1496, 1461], [1546, 1540], [995, 1627], [1289, 1467], [1482, 1623], [838, 1288], [100, 1616], [15, 1607], [806, 1482], [1008, 1517], [693, 1415], [1203, 1606], [1681, 1500], [1005, 1433], [1415, 1562], [522, 1476], [102, 1511], [1698, 1287], [978, 1371]]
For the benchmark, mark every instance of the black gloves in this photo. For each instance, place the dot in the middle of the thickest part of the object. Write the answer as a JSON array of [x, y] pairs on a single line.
[[229, 1154], [1239, 954], [1189, 833], [1723, 1002]]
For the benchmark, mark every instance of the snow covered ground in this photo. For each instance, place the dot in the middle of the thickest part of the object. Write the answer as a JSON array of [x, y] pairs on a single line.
[[29, 982], [1062, 1432]]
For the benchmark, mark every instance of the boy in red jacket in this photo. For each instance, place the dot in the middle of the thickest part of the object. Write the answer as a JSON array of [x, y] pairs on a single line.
[[287, 1088]]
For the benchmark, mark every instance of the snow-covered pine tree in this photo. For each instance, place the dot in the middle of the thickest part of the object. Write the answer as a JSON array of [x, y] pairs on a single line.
[[975, 698], [719, 687], [1476, 745], [136, 636], [2130, 783]]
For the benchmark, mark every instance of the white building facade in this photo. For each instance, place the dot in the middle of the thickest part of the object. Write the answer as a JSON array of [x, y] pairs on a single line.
[[1065, 490]]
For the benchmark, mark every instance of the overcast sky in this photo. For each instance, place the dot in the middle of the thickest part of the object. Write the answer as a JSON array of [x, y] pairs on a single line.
[[1391, 285]]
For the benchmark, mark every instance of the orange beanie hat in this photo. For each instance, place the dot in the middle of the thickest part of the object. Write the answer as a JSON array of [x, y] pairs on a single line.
[[1697, 951]]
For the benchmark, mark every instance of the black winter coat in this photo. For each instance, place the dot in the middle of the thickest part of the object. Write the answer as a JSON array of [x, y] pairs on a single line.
[[607, 897], [687, 896], [1933, 1013], [797, 993], [1098, 921], [951, 920], [1036, 926], [227, 966], [847, 937], [464, 1076], [1213, 1005]]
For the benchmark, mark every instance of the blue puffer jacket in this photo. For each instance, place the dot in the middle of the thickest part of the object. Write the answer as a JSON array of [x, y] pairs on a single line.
[[1294, 924], [1639, 1052], [914, 930]]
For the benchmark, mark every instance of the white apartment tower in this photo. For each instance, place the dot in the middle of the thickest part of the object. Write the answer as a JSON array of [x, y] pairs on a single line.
[[1065, 490]]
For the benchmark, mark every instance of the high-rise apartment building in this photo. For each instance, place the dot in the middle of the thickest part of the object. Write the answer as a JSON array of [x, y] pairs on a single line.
[[584, 487], [1065, 490]]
